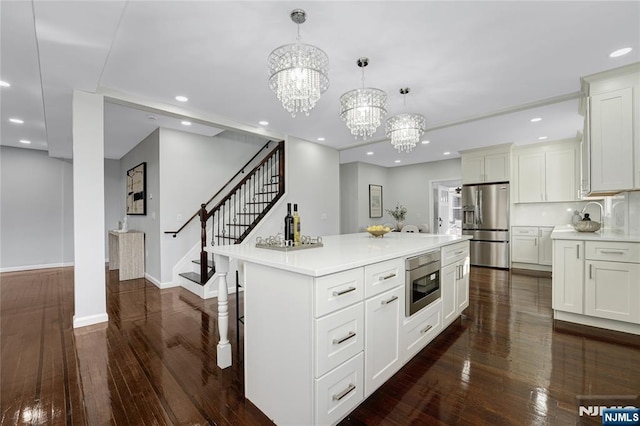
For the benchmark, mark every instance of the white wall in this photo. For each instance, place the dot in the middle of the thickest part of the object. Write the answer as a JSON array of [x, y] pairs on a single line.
[[146, 151], [36, 210]]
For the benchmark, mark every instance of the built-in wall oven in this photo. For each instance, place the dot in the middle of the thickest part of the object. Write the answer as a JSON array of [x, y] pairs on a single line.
[[422, 281]]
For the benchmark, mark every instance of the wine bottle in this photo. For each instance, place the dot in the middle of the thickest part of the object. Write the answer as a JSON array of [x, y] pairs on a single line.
[[296, 226], [288, 226]]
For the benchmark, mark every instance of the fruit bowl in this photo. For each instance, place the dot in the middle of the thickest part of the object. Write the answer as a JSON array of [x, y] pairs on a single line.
[[377, 232], [586, 226]]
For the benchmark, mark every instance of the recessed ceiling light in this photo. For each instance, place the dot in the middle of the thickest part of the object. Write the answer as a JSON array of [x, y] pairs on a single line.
[[321, 139], [24, 141], [16, 120], [424, 142], [4, 84], [185, 123], [620, 52], [263, 123], [447, 153], [370, 153], [397, 161], [181, 98], [535, 120], [541, 138]]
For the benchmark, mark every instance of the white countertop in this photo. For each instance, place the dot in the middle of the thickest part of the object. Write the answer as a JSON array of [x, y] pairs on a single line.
[[567, 232], [340, 252]]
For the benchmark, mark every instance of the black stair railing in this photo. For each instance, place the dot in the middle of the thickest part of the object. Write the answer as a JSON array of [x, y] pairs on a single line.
[[238, 213]]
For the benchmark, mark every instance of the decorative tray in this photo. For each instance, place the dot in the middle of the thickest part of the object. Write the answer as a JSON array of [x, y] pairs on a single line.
[[278, 243]]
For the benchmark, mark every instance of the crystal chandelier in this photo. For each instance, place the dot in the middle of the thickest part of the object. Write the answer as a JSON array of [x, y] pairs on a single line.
[[298, 72], [405, 130], [363, 109]]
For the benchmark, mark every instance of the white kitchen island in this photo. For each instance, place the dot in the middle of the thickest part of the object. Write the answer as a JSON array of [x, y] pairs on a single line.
[[324, 327]]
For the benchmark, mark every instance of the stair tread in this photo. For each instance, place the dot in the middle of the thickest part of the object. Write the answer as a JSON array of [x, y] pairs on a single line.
[[210, 263], [259, 202], [195, 277], [266, 193], [237, 224], [245, 214]]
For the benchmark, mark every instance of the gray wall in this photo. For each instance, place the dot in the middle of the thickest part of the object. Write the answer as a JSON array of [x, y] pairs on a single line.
[[192, 169], [407, 185], [146, 151], [36, 210]]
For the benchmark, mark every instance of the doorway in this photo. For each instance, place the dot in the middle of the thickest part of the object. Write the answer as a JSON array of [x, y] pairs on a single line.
[[447, 207]]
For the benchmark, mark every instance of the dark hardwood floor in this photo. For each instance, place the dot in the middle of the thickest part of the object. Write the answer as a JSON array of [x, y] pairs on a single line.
[[155, 361]]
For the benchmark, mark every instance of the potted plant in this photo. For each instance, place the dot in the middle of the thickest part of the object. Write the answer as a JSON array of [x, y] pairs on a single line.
[[399, 214]]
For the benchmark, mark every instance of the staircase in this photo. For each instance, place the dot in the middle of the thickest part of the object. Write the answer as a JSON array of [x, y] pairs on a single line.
[[233, 217]]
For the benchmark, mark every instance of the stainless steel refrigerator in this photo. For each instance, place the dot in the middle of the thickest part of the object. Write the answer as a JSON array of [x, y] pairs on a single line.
[[485, 216]]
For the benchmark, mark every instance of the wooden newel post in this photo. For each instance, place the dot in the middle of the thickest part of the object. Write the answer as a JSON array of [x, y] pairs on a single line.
[[204, 263]]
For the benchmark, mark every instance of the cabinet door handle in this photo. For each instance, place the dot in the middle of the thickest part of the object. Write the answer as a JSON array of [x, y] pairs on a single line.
[[577, 251], [386, 302], [386, 277], [611, 252], [340, 293], [345, 338], [427, 328], [590, 271], [339, 396], [535, 242]]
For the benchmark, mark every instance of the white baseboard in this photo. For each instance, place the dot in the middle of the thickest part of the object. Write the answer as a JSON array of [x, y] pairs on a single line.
[[89, 320], [159, 284], [33, 267]]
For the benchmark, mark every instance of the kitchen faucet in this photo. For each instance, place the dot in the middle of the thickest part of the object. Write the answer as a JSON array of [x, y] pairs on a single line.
[[601, 211]]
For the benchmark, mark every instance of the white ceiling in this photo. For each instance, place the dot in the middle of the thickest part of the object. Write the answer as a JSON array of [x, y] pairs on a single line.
[[477, 70]]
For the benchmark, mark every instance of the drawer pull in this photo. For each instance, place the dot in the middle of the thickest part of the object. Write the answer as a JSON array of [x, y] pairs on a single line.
[[386, 302], [349, 389], [427, 328], [386, 277], [459, 252], [611, 252], [340, 293], [345, 338]]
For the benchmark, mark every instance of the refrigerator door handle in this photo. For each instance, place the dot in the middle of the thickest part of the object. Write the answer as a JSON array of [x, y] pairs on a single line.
[[479, 207]]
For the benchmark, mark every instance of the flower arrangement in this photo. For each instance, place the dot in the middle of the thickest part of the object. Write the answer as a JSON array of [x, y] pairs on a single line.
[[399, 213]]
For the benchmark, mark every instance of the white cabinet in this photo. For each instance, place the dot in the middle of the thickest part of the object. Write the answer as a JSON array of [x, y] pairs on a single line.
[[487, 165], [612, 290], [454, 281], [420, 329], [612, 280], [600, 279], [383, 314], [612, 135], [531, 245], [611, 118], [546, 173], [568, 276]]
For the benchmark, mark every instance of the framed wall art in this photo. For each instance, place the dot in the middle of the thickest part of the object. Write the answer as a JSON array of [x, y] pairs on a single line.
[[375, 201], [137, 189]]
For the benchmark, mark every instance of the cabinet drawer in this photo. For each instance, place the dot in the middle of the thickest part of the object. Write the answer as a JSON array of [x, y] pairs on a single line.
[[420, 329], [339, 336], [525, 230], [337, 291], [613, 251], [383, 276], [453, 253], [339, 391]]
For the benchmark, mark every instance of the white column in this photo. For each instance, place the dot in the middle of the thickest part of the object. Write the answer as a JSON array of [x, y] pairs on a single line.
[[88, 210], [224, 347]]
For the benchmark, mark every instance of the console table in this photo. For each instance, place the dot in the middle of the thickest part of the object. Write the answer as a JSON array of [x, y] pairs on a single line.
[[126, 253]]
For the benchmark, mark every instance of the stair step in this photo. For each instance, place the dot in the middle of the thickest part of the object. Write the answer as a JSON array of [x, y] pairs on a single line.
[[195, 277], [237, 224], [266, 193], [248, 214], [258, 202], [210, 263]]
